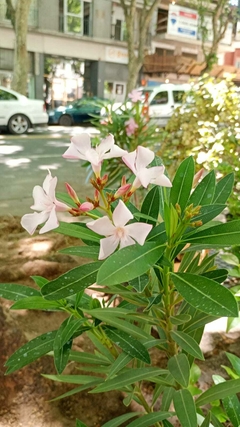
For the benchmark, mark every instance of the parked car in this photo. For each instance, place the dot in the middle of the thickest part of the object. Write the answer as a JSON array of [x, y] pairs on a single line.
[[78, 112], [19, 113], [162, 101]]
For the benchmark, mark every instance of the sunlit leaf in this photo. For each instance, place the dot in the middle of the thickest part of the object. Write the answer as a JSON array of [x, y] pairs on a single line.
[[204, 192], [150, 205], [91, 252], [219, 391], [13, 292], [182, 183]]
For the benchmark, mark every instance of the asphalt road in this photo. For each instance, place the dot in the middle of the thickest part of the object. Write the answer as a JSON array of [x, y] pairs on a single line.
[[24, 161]]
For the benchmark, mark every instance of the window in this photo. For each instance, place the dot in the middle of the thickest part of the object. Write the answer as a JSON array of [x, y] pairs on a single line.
[[32, 17], [120, 30], [76, 16], [178, 96], [160, 98], [7, 96]]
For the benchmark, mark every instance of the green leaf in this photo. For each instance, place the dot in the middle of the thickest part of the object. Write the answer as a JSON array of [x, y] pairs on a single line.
[[223, 189], [39, 280], [36, 303], [80, 424], [205, 294], [104, 352], [78, 389], [129, 263], [218, 275], [231, 404], [167, 398], [112, 317], [150, 205], [72, 379], [128, 344], [14, 292], [128, 378], [72, 282], [150, 419], [225, 234], [122, 360], [90, 252], [185, 408], [203, 193], [88, 358], [208, 212], [179, 367], [80, 231], [206, 421], [215, 421], [61, 355], [158, 234], [180, 319], [139, 283], [115, 422], [187, 344], [31, 351], [182, 183], [235, 362], [219, 391]]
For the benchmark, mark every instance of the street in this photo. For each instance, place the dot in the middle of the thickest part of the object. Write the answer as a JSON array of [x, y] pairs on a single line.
[[24, 161]]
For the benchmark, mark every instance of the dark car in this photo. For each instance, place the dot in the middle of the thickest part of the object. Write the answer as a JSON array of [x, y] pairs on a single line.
[[78, 112]]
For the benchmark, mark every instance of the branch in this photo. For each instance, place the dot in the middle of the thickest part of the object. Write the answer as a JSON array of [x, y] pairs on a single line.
[[12, 12]]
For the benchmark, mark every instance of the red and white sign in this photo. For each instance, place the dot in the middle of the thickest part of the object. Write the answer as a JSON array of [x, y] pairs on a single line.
[[182, 22]]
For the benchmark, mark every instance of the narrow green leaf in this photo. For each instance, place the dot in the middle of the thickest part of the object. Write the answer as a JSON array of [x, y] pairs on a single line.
[[13, 292], [150, 205], [36, 303], [225, 234], [223, 189], [61, 355], [80, 424], [80, 231], [231, 404], [109, 316], [128, 344], [115, 422], [167, 398], [179, 367], [78, 389], [150, 419], [206, 421], [219, 391], [72, 282], [128, 378], [205, 294], [180, 319], [235, 362], [187, 344], [139, 283], [208, 212], [185, 408], [88, 358], [215, 421], [182, 183], [31, 351], [129, 263], [158, 234], [91, 252], [39, 280], [72, 379], [204, 192], [219, 275], [122, 360]]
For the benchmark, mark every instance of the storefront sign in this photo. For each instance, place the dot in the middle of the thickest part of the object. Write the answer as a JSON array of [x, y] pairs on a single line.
[[115, 54], [182, 22]]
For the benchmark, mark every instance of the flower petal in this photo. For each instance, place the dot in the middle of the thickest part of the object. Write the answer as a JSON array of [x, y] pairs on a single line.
[[82, 142], [144, 157], [145, 176], [129, 159], [158, 177], [126, 241], [115, 152], [47, 181], [105, 145], [73, 153], [121, 214], [107, 246], [102, 226], [41, 200], [51, 223], [138, 231], [31, 221]]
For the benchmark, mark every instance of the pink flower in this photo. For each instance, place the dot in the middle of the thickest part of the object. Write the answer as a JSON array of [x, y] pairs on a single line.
[[138, 161], [117, 232], [80, 148], [131, 126], [46, 203], [135, 95]]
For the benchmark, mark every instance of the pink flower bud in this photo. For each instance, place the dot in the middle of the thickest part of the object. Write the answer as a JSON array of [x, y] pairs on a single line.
[[197, 177], [96, 196], [72, 193], [122, 190], [86, 206]]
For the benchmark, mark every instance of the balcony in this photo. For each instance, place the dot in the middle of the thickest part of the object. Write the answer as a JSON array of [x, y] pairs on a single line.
[[167, 64]]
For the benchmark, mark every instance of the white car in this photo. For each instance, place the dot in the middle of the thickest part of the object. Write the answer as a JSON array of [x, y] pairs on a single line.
[[19, 113]]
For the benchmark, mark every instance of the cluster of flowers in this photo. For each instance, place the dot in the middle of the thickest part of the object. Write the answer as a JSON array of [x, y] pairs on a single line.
[[131, 125], [113, 224]]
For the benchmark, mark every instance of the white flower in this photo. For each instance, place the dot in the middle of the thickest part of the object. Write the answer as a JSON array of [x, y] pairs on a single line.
[[138, 161], [80, 148], [47, 205], [117, 232]]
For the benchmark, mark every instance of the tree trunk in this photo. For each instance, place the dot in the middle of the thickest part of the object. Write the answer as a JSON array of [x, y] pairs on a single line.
[[133, 71], [20, 74]]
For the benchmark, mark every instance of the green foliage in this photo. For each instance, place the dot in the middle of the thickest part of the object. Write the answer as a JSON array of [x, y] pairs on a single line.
[[207, 127], [146, 292]]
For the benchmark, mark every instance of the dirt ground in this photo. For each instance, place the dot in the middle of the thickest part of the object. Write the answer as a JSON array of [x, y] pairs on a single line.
[[25, 395]]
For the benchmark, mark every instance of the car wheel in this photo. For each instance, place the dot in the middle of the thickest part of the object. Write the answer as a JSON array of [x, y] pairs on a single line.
[[18, 124], [65, 120]]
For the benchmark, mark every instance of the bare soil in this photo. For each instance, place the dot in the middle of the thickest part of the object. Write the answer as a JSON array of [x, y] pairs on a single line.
[[25, 395]]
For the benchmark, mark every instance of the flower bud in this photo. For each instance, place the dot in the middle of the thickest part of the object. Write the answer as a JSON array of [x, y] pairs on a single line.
[[86, 206], [197, 177], [72, 193], [122, 190]]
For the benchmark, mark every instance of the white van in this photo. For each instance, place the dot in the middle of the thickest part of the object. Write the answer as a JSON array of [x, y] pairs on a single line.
[[163, 99]]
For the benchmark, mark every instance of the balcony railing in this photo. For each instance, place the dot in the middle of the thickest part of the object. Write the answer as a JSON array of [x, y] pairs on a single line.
[[167, 64]]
